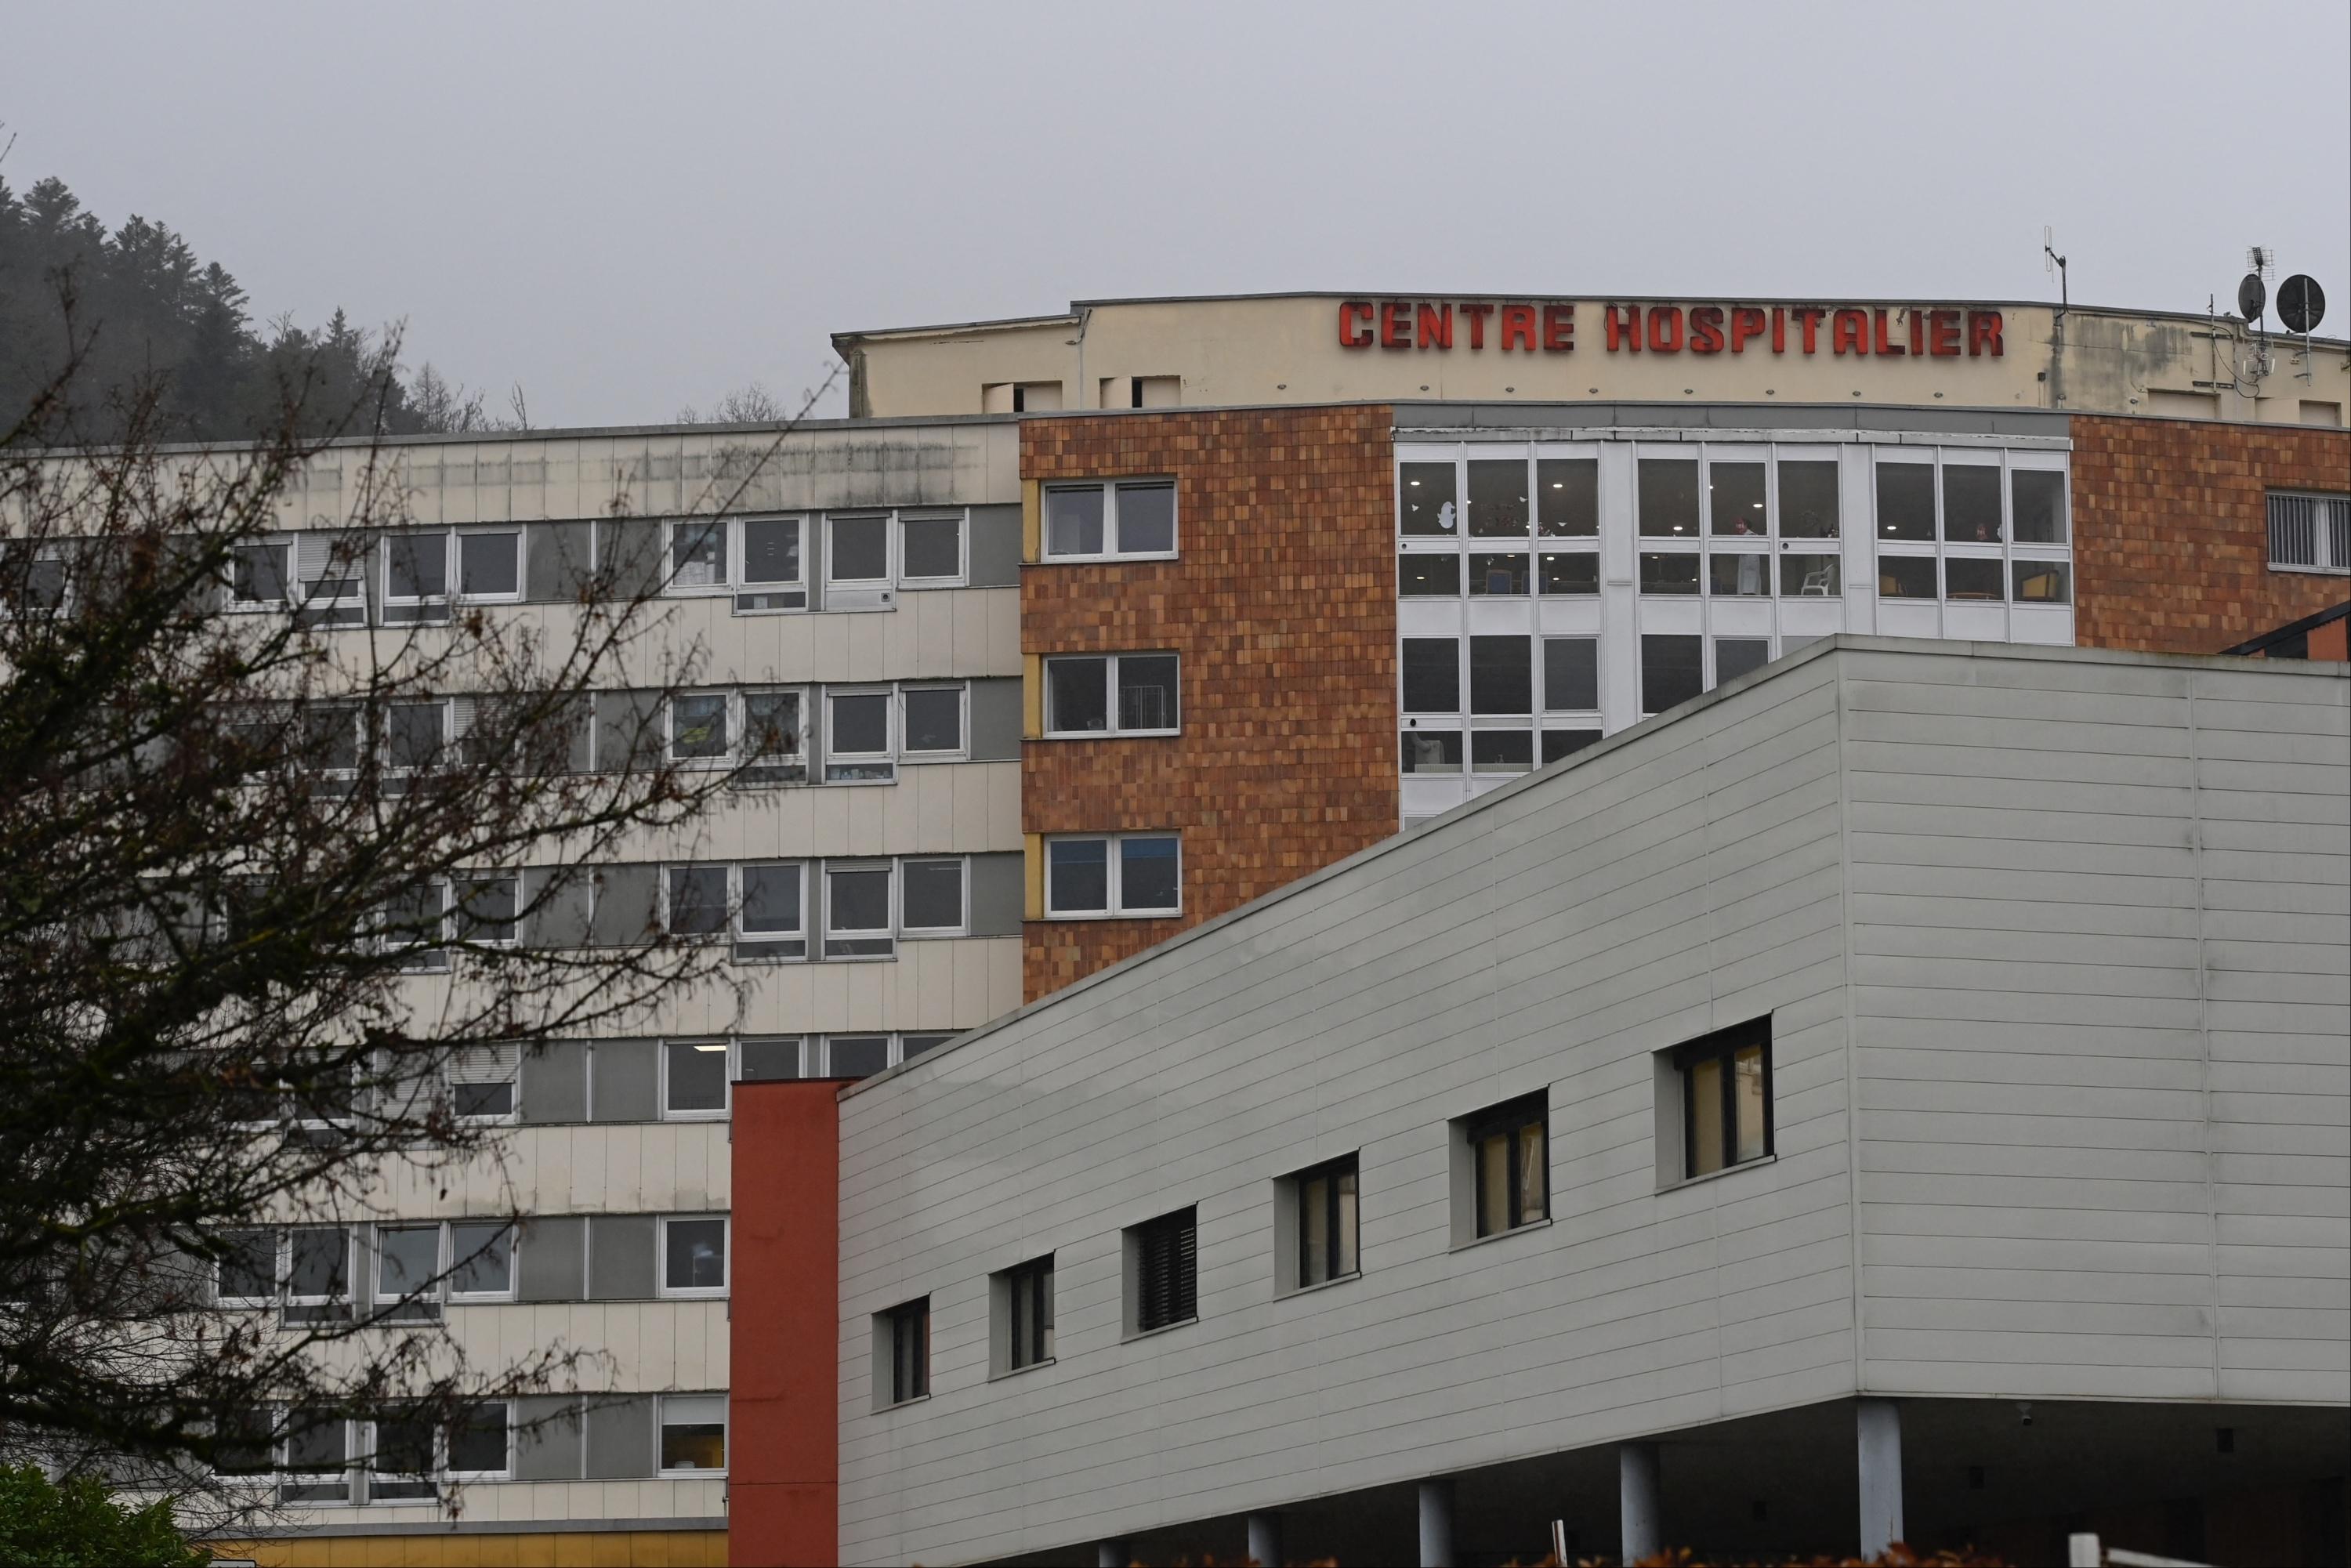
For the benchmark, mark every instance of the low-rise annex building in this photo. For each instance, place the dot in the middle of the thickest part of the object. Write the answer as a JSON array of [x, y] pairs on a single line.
[[1899, 1095]]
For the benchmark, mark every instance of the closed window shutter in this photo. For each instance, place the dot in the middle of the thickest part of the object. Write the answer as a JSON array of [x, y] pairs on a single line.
[[484, 1063], [1167, 1269], [1185, 1291]]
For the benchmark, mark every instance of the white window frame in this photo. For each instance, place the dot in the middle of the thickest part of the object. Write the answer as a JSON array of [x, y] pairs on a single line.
[[739, 547], [962, 748], [887, 932], [1113, 861], [740, 899], [451, 1261], [668, 1291], [725, 1050], [726, 871], [1110, 690], [431, 1477], [801, 759], [2324, 507], [435, 959], [448, 593], [352, 1258], [671, 581], [962, 914], [730, 713], [448, 709], [961, 517], [1111, 544], [276, 1273], [450, 903], [288, 1480], [458, 594], [725, 1427], [429, 1303], [504, 1472], [886, 757], [889, 521], [893, 1049], [284, 545]]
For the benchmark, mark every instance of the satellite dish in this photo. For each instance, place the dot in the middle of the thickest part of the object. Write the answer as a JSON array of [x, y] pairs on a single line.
[[2252, 295], [2302, 304]]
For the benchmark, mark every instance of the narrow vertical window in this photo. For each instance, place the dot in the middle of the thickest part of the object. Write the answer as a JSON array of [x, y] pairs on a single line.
[[909, 1333], [1166, 1271], [1326, 1198], [1028, 1314], [1509, 1162], [1725, 1091]]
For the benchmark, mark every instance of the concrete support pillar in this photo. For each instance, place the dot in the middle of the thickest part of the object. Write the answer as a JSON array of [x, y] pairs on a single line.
[[1113, 1554], [1640, 1526], [1436, 1524], [1265, 1540], [1877, 1431]]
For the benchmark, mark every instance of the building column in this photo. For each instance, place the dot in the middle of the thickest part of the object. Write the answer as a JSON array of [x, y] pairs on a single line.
[[1436, 1524], [1877, 1431], [1113, 1554], [1640, 1527], [1265, 1540]]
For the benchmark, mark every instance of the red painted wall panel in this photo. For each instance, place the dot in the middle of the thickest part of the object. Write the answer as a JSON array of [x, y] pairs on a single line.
[[783, 1472]]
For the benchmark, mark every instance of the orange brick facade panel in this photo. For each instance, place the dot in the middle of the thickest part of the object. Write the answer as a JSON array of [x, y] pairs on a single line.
[[1281, 605], [2171, 531]]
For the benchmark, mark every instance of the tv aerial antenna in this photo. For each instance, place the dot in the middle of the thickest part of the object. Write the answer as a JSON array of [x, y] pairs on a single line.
[[2051, 262]]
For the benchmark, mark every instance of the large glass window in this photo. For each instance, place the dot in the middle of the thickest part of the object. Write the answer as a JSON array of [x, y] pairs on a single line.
[[1570, 674], [1906, 576], [1109, 874], [1972, 503], [1432, 675], [858, 550], [1737, 656], [1501, 674], [1905, 501], [1426, 497], [1500, 575], [1808, 498], [1078, 694], [1674, 574], [1976, 579], [932, 892], [1569, 573], [1810, 576], [1498, 498], [1735, 500], [857, 911], [1672, 670], [931, 549], [694, 1255], [1567, 498], [1744, 574], [1667, 497], [2037, 497], [694, 1077], [934, 720], [693, 1433], [1428, 576]]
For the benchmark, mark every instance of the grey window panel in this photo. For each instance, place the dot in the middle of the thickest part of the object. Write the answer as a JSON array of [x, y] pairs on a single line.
[[624, 905], [629, 723], [550, 1259], [557, 562], [627, 1079], [555, 1083], [996, 719], [633, 548], [561, 921], [998, 894], [620, 1438], [550, 1438], [581, 737], [995, 547], [620, 1258]]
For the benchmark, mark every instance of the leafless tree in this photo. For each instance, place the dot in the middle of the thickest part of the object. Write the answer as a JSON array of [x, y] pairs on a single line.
[[259, 902], [750, 404]]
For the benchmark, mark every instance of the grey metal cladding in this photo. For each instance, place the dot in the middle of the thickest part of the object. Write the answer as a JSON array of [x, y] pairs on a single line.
[[996, 894], [551, 1438], [620, 1438], [627, 1080], [629, 728], [554, 1081], [556, 916], [996, 719], [625, 907], [620, 1258], [630, 548], [558, 561], [995, 547], [550, 1259]]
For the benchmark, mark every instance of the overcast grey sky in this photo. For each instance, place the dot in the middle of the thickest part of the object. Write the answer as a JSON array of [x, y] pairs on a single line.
[[631, 207]]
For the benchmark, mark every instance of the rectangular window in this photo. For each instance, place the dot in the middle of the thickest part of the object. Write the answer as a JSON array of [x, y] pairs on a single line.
[[1117, 874], [408, 1271], [694, 900], [318, 1274], [932, 721], [2036, 499], [1726, 1093], [1501, 751], [931, 893], [1906, 576], [1560, 743], [489, 564], [1501, 675], [316, 1454], [930, 549], [1428, 576], [417, 566], [1667, 497], [774, 738], [481, 1260], [1327, 1203], [1571, 675], [484, 910], [2043, 581], [911, 1046], [907, 1332], [1565, 573], [258, 574], [1905, 501], [1737, 656], [1809, 576], [2310, 532], [481, 1441], [1743, 574], [1432, 750], [858, 550], [857, 911], [1977, 578], [697, 554], [693, 1433], [1498, 498], [698, 730], [1432, 675], [694, 1077], [1972, 503], [694, 1256], [771, 557], [1675, 574], [247, 1269], [1028, 1314], [1567, 498], [856, 1055], [1509, 1161], [1101, 521], [415, 735], [1808, 498], [1166, 1255], [400, 1459], [1498, 576], [858, 747], [771, 922], [1672, 670], [1121, 693], [1426, 497], [1734, 500], [770, 1061]]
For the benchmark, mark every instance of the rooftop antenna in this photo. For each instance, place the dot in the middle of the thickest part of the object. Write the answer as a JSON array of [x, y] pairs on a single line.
[[2051, 262], [2253, 292]]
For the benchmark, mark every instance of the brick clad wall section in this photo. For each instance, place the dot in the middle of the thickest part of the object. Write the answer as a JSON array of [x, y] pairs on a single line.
[[2171, 531], [1282, 606]]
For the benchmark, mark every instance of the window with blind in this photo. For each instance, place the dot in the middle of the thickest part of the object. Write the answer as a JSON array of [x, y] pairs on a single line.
[[2310, 533], [1164, 1253]]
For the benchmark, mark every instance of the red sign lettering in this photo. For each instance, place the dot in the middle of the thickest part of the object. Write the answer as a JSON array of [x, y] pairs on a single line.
[[1706, 328], [1518, 326], [1349, 310], [1624, 328], [1669, 329], [1558, 328], [1437, 325]]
